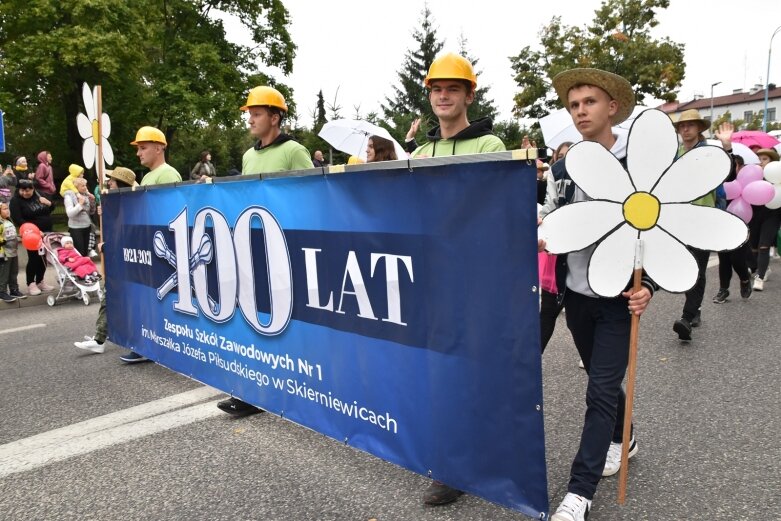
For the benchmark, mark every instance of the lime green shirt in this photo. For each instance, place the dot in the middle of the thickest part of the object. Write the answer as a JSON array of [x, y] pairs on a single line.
[[444, 147], [283, 157], [164, 173]]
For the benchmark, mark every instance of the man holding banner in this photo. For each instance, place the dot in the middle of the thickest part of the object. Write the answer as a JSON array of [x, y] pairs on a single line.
[[150, 143], [452, 82], [600, 326], [274, 151]]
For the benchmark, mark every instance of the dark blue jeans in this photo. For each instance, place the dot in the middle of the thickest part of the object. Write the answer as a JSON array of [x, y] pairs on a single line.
[[600, 328]]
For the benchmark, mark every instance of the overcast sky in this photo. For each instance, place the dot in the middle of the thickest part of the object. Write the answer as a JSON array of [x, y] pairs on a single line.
[[357, 47]]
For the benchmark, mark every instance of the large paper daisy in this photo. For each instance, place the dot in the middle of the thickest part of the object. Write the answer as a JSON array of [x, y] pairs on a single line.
[[651, 202], [88, 129]]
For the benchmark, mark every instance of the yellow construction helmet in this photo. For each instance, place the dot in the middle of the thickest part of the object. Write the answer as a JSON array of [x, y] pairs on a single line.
[[149, 134], [451, 66], [265, 97]]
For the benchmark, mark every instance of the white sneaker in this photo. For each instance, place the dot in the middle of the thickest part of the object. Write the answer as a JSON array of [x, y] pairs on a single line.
[[580, 364], [759, 284], [613, 461], [573, 508], [767, 275], [91, 345], [93, 254], [33, 290]]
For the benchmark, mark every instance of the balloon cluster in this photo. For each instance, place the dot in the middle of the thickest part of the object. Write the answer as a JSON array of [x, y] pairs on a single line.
[[31, 236], [773, 176], [748, 189]]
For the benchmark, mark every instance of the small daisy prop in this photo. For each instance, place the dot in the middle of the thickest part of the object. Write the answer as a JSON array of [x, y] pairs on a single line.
[[91, 132], [650, 202]]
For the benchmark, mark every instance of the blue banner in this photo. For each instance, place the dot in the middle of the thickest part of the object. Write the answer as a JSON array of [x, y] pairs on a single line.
[[2, 133], [394, 309]]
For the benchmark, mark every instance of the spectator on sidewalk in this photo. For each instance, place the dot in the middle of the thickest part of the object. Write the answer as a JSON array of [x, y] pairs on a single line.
[[28, 206], [203, 169], [44, 176], [9, 260], [79, 206]]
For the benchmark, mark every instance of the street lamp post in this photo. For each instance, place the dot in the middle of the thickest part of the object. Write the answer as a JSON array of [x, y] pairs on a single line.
[[711, 102], [767, 78]]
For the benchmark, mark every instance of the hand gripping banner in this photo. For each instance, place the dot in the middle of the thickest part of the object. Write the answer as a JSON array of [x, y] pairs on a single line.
[[391, 308]]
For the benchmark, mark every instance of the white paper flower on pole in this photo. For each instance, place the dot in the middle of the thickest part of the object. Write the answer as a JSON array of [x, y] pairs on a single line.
[[650, 202], [88, 129]]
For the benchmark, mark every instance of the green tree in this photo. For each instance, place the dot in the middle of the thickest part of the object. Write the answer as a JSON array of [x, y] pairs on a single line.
[[618, 40], [164, 64], [410, 98], [482, 106], [320, 118]]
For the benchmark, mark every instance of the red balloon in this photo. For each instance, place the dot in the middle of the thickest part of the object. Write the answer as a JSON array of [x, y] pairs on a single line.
[[32, 241], [27, 228]]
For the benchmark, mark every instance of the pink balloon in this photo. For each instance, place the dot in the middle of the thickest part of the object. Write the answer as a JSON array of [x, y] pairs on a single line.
[[741, 208], [733, 189], [758, 193], [749, 174]]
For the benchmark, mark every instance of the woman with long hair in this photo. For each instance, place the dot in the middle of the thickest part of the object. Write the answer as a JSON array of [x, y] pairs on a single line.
[[380, 149]]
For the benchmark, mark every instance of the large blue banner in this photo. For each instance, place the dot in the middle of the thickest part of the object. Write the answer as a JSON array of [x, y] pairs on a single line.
[[393, 309]]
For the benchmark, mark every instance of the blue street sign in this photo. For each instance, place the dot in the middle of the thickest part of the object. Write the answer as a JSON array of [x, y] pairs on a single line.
[[2, 133]]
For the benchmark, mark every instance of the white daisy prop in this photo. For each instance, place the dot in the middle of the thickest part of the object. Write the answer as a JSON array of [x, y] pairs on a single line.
[[649, 201], [91, 132]]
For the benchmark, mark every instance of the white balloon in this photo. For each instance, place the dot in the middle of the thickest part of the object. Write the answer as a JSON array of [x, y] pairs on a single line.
[[773, 172], [775, 202]]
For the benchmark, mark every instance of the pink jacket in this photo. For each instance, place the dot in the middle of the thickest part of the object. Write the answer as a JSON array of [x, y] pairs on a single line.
[[74, 261], [44, 175]]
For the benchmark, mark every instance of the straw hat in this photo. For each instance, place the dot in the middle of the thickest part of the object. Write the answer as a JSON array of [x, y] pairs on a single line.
[[123, 174], [616, 86], [769, 152], [693, 115]]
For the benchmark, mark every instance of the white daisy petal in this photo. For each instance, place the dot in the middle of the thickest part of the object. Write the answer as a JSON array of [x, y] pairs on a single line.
[[646, 163], [667, 261], [108, 154], [105, 125], [702, 227], [693, 175], [610, 266], [88, 153], [89, 103], [597, 172], [578, 225], [84, 126]]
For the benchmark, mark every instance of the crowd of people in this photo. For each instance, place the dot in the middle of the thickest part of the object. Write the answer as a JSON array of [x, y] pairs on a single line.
[[600, 327]]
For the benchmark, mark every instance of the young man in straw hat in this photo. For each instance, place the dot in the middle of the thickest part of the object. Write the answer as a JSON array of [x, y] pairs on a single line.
[[600, 326], [274, 151], [690, 127]]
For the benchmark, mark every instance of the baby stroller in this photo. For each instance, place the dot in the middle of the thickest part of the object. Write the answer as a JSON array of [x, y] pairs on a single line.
[[71, 286]]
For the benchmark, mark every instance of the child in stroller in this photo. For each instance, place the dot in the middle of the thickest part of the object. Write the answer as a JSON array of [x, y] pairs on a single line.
[[81, 266]]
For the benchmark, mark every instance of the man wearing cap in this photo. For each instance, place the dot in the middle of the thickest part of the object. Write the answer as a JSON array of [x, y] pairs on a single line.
[[120, 177], [452, 82], [600, 326], [274, 151], [150, 146], [690, 126]]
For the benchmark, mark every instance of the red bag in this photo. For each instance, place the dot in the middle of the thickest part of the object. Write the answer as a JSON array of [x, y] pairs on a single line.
[[547, 266]]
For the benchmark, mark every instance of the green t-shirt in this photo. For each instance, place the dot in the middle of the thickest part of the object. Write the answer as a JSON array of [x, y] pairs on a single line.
[[164, 173], [458, 147], [285, 156]]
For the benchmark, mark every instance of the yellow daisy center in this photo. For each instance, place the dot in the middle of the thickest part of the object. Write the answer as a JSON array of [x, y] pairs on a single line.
[[641, 210], [95, 134]]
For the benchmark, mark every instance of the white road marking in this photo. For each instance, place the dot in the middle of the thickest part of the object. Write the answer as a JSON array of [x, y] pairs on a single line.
[[21, 328], [104, 431]]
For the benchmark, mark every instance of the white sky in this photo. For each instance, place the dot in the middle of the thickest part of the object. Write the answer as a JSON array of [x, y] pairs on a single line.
[[357, 47]]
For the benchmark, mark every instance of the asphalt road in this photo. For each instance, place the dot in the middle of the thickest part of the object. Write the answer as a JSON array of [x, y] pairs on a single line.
[[85, 437]]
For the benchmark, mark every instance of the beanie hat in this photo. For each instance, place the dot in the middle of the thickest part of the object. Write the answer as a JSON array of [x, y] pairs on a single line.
[[66, 239]]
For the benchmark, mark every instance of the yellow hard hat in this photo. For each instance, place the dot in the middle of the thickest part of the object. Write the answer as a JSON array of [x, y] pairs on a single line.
[[149, 134], [451, 66], [265, 97]]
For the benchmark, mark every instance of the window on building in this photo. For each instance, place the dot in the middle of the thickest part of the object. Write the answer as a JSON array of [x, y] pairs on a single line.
[[748, 116], [771, 114]]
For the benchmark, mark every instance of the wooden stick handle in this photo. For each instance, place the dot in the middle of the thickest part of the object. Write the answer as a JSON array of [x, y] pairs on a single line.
[[634, 335]]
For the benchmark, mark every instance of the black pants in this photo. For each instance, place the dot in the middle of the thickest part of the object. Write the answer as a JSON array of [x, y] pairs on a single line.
[[600, 328], [36, 267], [81, 239], [549, 312], [733, 260], [763, 232], [691, 308]]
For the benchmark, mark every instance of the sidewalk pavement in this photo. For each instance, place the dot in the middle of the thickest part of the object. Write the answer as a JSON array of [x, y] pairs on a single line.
[[35, 300]]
